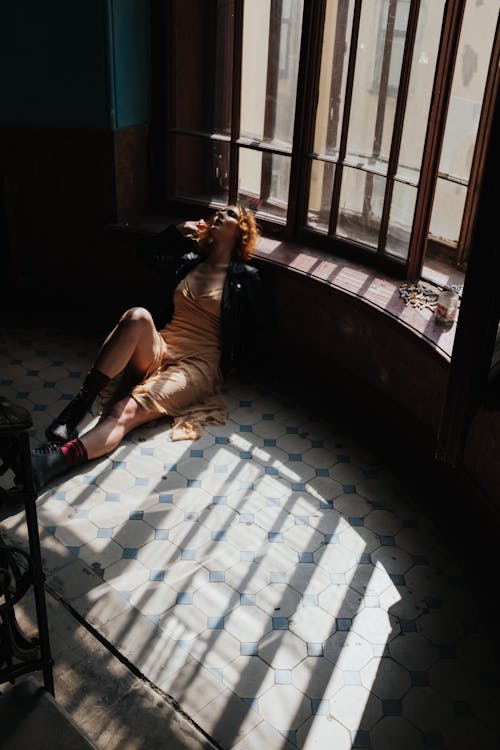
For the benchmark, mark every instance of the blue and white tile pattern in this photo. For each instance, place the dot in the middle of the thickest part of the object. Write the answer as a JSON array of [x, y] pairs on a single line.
[[272, 577]]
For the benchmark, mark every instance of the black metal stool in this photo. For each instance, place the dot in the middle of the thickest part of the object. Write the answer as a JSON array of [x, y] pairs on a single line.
[[18, 570]]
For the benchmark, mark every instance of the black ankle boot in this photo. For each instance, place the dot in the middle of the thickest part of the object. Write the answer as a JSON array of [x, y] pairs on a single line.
[[64, 427], [47, 462]]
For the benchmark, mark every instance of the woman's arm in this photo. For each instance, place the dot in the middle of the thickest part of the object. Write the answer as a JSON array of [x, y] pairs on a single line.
[[191, 229]]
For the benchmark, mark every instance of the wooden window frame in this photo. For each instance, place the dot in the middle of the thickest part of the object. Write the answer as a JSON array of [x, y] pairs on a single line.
[[301, 153]]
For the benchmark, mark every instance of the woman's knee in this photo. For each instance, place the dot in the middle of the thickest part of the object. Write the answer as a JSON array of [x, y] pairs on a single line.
[[138, 316]]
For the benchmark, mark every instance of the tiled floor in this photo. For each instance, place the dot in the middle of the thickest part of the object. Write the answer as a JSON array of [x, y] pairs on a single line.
[[273, 578]]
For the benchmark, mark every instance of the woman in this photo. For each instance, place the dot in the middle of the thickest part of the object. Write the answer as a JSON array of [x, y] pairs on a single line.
[[214, 320]]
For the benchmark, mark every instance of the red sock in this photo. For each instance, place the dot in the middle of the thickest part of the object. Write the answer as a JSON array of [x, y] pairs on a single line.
[[74, 452]]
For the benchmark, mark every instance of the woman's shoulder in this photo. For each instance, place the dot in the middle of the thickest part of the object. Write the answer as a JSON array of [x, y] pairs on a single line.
[[238, 268]]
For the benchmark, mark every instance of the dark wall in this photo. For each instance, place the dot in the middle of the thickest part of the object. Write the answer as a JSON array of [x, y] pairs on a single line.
[[84, 63], [53, 63], [74, 130], [360, 363]]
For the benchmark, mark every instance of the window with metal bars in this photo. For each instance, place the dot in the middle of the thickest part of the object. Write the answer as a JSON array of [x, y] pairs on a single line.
[[336, 120]]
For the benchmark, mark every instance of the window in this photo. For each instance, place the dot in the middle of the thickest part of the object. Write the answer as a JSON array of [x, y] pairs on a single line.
[[460, 141], [334, 134]]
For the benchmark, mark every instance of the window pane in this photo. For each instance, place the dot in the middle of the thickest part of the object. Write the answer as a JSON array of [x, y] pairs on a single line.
[[264, 181], [373, 103], [334, 62], [320, 195], [208, 74], [401, 220], [471, 70], [271, 47], [361, 202], [447, 210], [420, 89], [201, 168]]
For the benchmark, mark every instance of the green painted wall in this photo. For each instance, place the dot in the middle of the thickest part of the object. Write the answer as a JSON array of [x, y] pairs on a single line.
[[129, 62], [74, 63]]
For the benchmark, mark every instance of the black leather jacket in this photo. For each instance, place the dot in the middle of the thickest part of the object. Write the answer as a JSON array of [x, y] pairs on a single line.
[[242, 306]]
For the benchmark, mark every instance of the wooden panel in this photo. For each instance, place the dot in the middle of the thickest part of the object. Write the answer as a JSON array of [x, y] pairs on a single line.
[[481, 454], [330, 331], [64, 186], [131, 155]]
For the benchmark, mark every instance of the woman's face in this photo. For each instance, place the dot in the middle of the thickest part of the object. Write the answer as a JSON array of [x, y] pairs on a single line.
[[226, 226]]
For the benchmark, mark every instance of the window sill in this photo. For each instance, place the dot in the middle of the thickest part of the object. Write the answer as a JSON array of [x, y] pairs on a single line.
[[361, 282], [373, 287]]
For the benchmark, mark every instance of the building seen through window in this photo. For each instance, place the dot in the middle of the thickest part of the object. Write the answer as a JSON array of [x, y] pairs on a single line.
[[325, 118]]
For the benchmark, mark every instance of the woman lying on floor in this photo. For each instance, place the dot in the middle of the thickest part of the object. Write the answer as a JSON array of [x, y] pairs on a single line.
[[215, 317]]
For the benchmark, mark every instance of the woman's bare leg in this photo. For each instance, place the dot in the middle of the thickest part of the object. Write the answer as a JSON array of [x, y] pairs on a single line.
[[50, 461], [131, 341], [123, 417]]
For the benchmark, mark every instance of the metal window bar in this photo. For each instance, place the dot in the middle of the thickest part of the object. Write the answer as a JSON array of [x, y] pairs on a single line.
[[443, 78], [337, 183], [271, 91], [236, 101], [381, 102], [313, 23], [335, 89], [404, 82]]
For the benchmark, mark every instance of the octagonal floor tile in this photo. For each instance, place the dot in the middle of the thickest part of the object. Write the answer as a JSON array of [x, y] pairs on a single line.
[[217, 599], [153, 598], [395, 731], [386, 679], [100, 553], [248, 624], [322, 732], [126, 575], [215, 649], [183, 622], [355, 707], [186, 575], [108, 514], [290, 524], [158, 554], [133, 534], [285, 707], [413, 651], [312, 623], [248, 676], [424, 707], [340, 601], [317, 678], [348, 651], [324, 488], [279, 600], [282, 649], [75, 532]]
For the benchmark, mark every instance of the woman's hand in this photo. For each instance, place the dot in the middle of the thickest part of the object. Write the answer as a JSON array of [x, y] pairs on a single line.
[[191, 228]]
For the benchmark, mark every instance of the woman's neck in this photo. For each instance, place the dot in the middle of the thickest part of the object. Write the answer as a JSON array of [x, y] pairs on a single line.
[[219, 257]]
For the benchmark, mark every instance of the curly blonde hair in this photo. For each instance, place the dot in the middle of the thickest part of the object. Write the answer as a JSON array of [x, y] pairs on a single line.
[[247, 240]]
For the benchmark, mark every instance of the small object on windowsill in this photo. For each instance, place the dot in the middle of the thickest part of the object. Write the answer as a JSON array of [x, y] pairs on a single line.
[[418, 295], [447, 305]]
